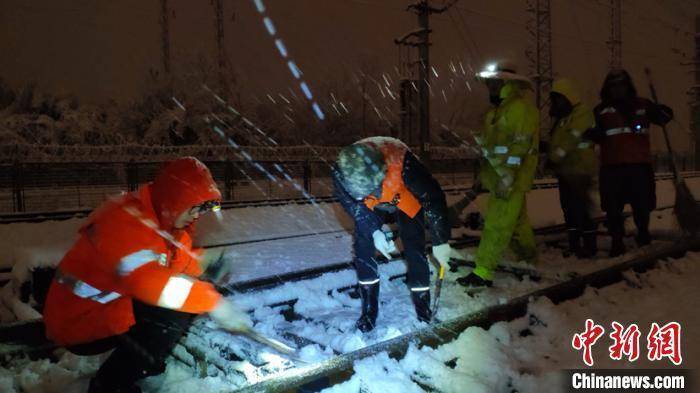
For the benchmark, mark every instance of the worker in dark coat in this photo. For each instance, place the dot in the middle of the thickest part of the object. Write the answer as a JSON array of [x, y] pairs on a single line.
[[379, 176], [622, 125]]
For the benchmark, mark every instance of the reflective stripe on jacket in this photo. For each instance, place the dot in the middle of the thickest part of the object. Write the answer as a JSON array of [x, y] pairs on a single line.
[[123, 253], [510, 140], [623, 130]]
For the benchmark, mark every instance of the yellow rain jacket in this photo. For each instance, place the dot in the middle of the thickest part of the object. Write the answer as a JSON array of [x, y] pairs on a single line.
[[510, 140], [509, 145], [569, 152]]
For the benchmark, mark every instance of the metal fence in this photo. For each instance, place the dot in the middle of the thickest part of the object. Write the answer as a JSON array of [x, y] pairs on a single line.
[[56, 186], [46, 187]]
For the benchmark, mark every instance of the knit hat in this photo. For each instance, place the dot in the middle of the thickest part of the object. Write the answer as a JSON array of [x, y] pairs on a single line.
[[362, 168]]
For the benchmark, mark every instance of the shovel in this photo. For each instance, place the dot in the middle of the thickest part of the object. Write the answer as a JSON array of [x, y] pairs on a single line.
[[438, 285], [686, 207]]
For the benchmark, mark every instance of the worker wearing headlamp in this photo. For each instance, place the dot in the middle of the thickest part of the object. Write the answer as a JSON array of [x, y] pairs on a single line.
[[509, 144], [129, 283]]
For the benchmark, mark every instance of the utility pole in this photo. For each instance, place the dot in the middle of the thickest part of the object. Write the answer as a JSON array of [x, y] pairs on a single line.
[[694, 93], [408, 88], [221, 50], [540, 52], [615, 41], [165, 36], [420, 39]]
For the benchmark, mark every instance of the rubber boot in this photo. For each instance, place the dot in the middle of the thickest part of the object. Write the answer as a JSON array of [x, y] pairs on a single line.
[[421, 300], [618, 247], [574, 242], [370, 307], [590, 245]]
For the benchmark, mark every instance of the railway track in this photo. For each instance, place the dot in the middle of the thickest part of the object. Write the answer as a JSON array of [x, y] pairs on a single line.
[[27, 339], [339, 368]]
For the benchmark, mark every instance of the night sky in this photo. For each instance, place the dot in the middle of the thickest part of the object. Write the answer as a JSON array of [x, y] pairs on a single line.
[[102, 50]]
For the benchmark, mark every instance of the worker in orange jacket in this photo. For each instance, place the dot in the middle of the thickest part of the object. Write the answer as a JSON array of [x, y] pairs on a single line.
[[129, 282]]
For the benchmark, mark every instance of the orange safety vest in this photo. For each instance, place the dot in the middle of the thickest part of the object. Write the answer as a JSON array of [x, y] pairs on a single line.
[[128, 250], [394, 191]]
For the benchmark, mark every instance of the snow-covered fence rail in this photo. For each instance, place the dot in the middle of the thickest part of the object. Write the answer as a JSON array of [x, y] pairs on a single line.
[[51, 186], [146, 153]]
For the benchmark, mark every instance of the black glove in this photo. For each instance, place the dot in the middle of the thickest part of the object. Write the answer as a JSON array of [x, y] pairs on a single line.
[[663, 114], [216, 270], [593, 134]]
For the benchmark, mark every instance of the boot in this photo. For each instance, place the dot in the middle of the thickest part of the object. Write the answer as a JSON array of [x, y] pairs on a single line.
[[474, 281], [590, 245], [421, 300], [370, 307], [618, 247], [574, 242]]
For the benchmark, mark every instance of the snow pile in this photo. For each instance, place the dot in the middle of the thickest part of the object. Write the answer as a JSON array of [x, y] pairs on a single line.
[[70, 374], [527, 354]]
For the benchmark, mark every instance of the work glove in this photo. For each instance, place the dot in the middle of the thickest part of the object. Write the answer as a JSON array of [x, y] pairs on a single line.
[[230, 317], [442, 254], [665, 114], [384, 246], [210, 257], [214, 265], [593, 134]]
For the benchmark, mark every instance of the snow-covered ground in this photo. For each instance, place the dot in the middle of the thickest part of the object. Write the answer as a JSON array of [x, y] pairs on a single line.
[[324, 316], [528, 354]]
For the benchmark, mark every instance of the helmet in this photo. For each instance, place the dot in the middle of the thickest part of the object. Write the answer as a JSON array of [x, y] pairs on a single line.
[[362, 169], [502, 70]]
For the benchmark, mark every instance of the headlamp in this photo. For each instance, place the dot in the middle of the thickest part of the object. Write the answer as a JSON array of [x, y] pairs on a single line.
[[213, 205]]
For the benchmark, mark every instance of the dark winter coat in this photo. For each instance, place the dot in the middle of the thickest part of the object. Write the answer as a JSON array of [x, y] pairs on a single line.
[[420, 183]]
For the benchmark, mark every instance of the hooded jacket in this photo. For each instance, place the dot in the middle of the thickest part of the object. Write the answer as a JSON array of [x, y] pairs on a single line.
[[129, 249], [570, 153], [622, 126], [510, 140]]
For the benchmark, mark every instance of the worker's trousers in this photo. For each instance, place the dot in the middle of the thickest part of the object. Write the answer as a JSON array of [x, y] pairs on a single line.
[[140, 352], [412, 233], [506, 224]]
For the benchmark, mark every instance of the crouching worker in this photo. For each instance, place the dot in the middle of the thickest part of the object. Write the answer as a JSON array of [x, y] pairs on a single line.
[[129, 282], [379, 176]]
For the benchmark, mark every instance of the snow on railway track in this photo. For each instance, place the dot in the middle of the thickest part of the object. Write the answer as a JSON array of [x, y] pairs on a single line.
[[318, 312], [333, 346], [316, 309]]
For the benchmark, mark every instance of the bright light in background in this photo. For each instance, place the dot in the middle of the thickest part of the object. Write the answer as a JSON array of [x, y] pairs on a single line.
[[491, 67]]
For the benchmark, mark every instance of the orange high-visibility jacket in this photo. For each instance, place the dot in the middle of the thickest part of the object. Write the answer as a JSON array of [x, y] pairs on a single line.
[[129, 249], [394, 191]]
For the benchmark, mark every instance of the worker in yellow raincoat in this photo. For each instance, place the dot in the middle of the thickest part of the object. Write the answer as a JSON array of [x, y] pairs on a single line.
[[509, 144], [574, 161]]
